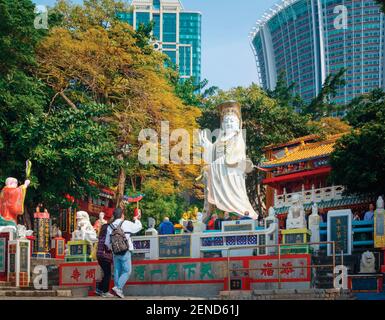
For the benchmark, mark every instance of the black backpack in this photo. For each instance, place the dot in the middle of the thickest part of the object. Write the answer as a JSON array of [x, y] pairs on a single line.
[[119, 242]]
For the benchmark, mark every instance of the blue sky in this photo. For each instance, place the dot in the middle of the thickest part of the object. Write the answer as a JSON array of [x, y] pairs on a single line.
[[227, 59]]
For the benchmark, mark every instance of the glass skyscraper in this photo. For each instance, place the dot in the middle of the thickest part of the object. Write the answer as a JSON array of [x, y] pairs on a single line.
[[310, 39], [177, 32]]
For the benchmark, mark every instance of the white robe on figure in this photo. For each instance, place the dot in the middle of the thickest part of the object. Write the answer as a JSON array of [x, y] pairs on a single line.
[[226, 187]]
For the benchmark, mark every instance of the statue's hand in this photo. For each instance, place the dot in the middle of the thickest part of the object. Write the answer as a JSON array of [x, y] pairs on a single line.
[[27, 183]]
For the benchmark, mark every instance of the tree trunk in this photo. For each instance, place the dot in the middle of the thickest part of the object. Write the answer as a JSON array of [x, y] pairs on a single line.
[[27, 219], [121, 186]]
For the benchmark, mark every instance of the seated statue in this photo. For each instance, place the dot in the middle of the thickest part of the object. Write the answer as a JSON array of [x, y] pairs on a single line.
[[84, 229], [296, 217], [12, 202], [368, 262]]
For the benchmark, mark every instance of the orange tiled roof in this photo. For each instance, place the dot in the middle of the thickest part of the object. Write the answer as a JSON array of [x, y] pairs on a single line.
[[306, 152]]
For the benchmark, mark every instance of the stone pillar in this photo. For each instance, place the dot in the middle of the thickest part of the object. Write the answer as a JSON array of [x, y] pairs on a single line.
[[19, 262], [6, 234], [42, 227]]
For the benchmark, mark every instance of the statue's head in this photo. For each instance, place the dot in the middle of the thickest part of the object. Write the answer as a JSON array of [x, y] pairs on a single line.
[[380, 203], [295, 198], [11, 182], [231, 118]]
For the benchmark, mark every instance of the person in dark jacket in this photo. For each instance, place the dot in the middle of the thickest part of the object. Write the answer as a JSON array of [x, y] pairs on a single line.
[[166, 227], [104, 256]]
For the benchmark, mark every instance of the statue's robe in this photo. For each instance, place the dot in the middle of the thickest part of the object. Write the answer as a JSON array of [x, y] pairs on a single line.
[[11, 204], [226, 188]]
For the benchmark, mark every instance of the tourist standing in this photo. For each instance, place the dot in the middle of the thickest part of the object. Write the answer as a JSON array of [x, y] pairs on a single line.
[[211, 223], [356, 216], [166, 227], [218, 223], [369, 215], [104, 257], [189, 228], [118, 239]]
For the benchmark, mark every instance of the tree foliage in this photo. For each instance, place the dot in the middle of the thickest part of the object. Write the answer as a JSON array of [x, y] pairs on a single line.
[[359, 157]]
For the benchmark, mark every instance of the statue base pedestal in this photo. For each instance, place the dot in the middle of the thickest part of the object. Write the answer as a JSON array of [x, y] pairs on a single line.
[[79, 251], [365, 283], [58, 245], [19, 262], [299, 237]]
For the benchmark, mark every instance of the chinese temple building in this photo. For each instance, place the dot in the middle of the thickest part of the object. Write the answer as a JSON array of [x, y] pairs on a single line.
[[301, 166]]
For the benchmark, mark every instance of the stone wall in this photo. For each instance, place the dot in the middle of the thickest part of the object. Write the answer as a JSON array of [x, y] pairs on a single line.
[[288, 294]]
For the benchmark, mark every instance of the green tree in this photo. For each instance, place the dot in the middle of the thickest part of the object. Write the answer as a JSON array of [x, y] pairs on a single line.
[[382, 4], [368, 108], [322, 105], [359, 157]]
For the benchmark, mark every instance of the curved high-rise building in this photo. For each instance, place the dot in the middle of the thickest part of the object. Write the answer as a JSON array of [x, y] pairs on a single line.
[[310, 39]]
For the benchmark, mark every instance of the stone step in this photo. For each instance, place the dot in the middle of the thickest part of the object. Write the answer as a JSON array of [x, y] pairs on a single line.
[[35, 293], [4, 284]]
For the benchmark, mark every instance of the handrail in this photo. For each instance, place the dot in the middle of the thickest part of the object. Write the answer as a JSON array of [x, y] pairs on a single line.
[[279, 245]]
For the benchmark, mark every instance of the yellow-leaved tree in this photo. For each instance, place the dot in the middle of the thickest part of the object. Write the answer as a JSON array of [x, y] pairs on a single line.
[[91, 56]]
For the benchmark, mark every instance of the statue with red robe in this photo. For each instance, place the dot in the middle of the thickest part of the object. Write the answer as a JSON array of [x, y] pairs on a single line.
[[12, 201]]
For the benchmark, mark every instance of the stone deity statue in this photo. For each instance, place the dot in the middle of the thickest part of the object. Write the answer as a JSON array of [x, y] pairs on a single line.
[[84, 229], [226, 165], [199, 226], [368, 263], [296, 216], [314, 222], [22, 232], [100, 222], [12, 201], [151, 231]]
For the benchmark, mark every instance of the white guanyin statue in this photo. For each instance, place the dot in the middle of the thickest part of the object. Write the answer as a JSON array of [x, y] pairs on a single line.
[[314, 222], [227, 165], [296, 216], [84, 229]]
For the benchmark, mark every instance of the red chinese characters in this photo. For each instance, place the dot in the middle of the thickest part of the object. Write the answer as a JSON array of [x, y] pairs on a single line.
[[76, 274], [267, 270]]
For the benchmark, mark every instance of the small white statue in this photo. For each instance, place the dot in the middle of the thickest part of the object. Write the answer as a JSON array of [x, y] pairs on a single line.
[[199, 226], [296, 217], [368, 263], [314, 222], [151, 231], [22, 232], [271, 218], [100, 222], [56, 232], [84, 229]]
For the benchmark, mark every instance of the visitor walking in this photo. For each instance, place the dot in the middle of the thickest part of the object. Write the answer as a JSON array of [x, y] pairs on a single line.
[[166, 227], [118, 240], [104, 257]]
